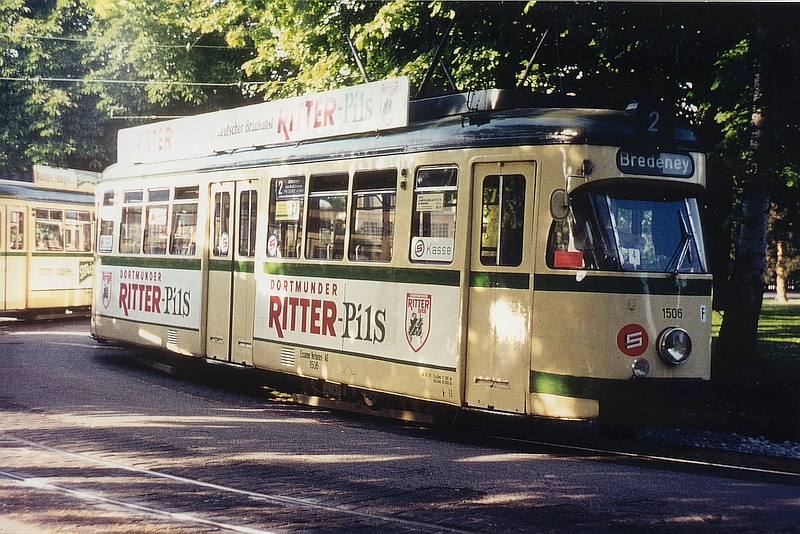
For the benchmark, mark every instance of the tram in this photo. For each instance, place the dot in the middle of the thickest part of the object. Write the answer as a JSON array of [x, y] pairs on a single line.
[[46, 250], [462, 252]]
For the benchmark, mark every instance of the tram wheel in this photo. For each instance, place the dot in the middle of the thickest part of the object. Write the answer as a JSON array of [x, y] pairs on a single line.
[[372, 399]]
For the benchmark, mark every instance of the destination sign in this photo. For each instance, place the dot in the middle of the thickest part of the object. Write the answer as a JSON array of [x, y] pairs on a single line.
[[363, 108], [655, 163]]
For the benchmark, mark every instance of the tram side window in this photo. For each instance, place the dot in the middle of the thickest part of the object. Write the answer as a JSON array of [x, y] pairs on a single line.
[[222, 214], [156, 219], [327, 212], [183, 241], [248, 212], [16, 227], [562, 246], [286, 203], [105, 238], [108, 198], [49, 227], [105, 241], [433, 225], [372, 220], [130, 226], [503, 220], [78, 231]]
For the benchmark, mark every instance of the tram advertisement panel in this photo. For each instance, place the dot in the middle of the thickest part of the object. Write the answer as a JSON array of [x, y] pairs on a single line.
[[59, 272], [169, 297], [369, 107], [409, 322]]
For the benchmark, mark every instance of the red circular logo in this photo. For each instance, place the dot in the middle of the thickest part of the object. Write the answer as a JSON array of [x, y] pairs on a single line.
[[419, 248], [632, 340]]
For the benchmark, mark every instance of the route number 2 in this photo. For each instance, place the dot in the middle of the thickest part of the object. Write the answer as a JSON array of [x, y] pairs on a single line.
[[654, 117]]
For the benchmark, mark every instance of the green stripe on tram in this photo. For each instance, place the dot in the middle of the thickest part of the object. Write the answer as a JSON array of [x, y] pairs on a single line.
[[57, 254], [637, 285], [227, 266], [585, 387], [497, 280], [186, 264], [150, 323], [442, 277]]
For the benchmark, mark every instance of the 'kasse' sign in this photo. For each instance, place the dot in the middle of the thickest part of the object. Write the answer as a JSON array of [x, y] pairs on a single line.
[[364, 108]]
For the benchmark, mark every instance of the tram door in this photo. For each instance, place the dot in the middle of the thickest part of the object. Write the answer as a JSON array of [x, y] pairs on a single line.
[[500, 296], [3, 259], [13, 257], [231, 283]]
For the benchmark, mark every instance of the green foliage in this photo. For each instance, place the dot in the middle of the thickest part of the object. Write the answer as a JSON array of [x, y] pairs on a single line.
[[45, 120], [731, 99], [157, 47], [179, 57]]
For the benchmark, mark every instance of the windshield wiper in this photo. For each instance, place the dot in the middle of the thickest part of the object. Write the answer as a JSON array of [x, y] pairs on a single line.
[[679, 257]]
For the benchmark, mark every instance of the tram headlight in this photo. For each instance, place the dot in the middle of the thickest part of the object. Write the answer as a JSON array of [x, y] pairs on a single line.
[[674, 345]]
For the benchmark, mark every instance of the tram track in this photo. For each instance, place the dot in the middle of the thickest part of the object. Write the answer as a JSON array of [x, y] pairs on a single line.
[[218, 461], [184, 514], [308, 509], [636, 445], [744, 466], [193, 518], [93, 497]]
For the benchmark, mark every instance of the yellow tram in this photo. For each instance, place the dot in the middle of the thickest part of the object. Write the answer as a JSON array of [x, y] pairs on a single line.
[[464, 251], [46, 250]]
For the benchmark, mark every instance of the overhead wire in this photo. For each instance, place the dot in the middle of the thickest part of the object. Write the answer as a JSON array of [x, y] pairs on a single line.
[[36, 79], [187, 46]]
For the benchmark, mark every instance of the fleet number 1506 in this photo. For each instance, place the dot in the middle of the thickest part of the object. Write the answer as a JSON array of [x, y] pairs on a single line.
[[672, 313]]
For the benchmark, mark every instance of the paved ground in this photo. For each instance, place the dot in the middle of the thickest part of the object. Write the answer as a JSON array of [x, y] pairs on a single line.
[[92, 442]]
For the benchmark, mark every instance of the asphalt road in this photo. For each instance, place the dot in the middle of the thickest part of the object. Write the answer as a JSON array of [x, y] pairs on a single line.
[[92, 442]]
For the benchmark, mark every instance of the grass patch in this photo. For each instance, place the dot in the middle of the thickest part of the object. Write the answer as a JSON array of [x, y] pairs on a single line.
[[778, 334]]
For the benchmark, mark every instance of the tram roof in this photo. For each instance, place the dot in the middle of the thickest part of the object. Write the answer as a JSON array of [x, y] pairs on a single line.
[[442, 123], [29, 191]]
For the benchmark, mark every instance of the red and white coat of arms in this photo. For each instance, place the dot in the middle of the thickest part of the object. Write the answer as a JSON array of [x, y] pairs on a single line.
[[107, 282], [418, 319], [389, 93]]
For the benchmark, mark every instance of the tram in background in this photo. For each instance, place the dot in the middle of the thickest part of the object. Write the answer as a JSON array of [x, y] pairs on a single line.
[[46, 248], [460, 252]]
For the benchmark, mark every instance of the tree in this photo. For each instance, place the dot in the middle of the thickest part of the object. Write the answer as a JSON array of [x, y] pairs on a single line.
[[783, 239], [737, 350], [49, 117], [150, 60]]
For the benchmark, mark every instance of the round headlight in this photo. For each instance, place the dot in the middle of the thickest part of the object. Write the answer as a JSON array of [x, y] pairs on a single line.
[[674, 345]]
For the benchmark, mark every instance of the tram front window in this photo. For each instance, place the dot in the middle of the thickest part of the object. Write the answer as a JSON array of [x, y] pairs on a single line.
[[632, 230]]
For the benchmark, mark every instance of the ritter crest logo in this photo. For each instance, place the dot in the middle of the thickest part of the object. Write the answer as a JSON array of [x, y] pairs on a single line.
[[418, 319], [107, 280], [389, 93]]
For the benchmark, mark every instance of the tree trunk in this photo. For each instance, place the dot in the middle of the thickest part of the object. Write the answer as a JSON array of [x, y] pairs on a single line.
[[780, 273], [736, 355]]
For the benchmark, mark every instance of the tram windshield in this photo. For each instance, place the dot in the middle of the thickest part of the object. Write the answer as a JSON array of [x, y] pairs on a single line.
[[630, 230]]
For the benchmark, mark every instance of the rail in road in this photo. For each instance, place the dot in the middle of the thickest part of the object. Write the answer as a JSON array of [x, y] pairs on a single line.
[[92, 442]]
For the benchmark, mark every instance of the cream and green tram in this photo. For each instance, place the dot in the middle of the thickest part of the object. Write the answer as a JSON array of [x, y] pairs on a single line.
[[46, 250], [537, 261]]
